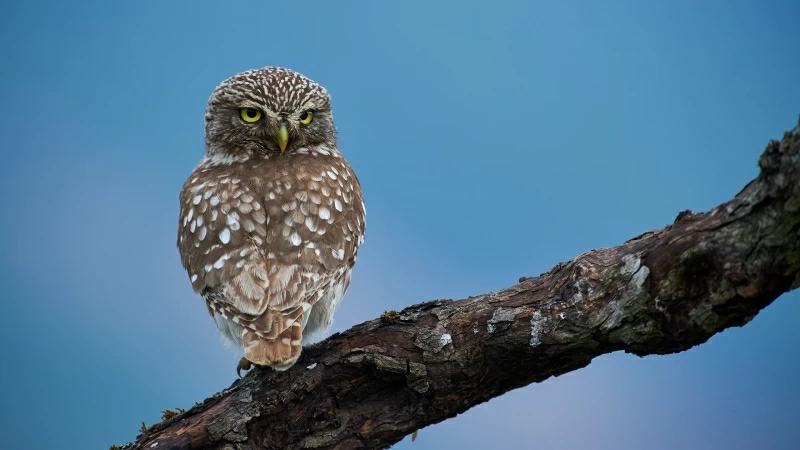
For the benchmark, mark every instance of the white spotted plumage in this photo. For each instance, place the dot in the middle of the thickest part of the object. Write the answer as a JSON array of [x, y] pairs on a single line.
[[287, 225]]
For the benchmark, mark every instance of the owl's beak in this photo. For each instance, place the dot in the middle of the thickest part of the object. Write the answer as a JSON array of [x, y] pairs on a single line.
[[282, 137]]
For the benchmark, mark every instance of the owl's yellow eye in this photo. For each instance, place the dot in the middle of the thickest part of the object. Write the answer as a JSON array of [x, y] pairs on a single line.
[[250, 115], [305, 117]]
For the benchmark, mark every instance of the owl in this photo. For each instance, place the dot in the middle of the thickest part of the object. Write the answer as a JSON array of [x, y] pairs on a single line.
[[272, 217]]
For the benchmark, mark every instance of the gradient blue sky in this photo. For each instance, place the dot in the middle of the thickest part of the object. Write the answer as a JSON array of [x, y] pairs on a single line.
[[492, 139]]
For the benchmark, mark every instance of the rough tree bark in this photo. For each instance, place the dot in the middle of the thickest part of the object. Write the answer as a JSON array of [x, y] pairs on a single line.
[[661, 292]]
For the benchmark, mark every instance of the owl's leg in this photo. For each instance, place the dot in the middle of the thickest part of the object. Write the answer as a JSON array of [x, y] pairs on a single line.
[[244, 364]]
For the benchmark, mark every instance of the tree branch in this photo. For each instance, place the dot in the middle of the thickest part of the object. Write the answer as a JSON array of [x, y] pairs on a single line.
[[661, 292]]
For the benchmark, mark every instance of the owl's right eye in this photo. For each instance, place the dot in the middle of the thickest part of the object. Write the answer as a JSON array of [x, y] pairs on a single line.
[[250, 115]]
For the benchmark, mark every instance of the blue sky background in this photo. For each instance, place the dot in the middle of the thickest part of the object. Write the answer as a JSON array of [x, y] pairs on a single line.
[[492, 139]]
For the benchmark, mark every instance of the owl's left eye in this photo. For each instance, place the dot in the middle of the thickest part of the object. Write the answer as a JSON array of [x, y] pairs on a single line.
[[306, 117], [250, 115]]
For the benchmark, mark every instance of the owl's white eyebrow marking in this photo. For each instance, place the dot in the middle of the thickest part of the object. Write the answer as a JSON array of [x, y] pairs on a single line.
[[225, 235]]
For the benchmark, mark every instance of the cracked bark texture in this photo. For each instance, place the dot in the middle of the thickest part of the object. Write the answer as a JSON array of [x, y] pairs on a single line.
[[661, 292]]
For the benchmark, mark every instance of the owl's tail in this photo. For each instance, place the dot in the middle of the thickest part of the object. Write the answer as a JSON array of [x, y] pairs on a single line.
[[280, 352]]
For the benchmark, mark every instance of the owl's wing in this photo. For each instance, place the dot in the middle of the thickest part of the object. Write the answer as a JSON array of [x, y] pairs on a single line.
[[262, 261]]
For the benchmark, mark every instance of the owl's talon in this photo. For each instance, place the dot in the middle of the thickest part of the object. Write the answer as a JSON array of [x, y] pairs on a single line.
[[244, 364]]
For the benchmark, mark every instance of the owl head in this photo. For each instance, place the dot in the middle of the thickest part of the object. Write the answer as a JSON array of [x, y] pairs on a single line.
[[264, 112]]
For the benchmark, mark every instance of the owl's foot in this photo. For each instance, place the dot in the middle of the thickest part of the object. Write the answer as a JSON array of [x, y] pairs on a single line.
[[244, 364]]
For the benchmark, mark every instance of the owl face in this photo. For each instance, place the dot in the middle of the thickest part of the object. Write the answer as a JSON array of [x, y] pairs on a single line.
[[267, 112]]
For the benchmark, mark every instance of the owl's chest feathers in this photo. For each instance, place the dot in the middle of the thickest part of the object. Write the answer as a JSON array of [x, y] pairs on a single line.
[[302, 209]]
